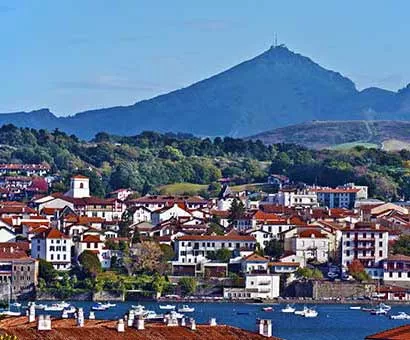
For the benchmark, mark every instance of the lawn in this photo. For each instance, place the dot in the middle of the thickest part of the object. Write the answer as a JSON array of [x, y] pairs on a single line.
[[182, 188], [346, 146]]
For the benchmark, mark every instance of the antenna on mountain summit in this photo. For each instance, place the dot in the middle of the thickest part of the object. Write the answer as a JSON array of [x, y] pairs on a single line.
[[276, 40]]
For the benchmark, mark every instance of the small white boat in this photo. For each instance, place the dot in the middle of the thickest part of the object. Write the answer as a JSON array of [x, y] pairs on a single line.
[[378, 311], [167, 307], [355, 307], [15, 304], [9, 313], [137, 307], [63, 304], [186, 309], [311, 313], [151, 315], [70, 310], [400, 316], [40, 306], [175, 315], [108, 305], [267, 309], [55, 307], [301, 312], [99, 308], [384, 306], [288, 309]]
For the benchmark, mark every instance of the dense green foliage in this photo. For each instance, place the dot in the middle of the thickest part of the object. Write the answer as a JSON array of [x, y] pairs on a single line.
[[150, 159], [188, 285], [309, 273], [402, 245], [46, 271], [90, 263], [274, 248]]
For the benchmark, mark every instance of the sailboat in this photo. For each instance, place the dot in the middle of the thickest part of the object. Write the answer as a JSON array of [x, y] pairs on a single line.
[[8, 312]]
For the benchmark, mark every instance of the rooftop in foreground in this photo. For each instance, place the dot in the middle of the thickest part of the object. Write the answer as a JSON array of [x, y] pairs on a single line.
[[398, 333], [66, 329]]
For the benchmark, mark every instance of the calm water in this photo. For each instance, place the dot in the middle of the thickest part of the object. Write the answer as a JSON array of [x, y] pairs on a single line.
[[333, 322]]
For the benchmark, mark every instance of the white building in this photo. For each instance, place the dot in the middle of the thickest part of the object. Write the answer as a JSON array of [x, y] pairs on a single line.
[[396, 268], [140, 214], [367, 243], [54, 247], [257, 286], [79, 187], [311, 244], [293, 198], [195, 249], [167, 213], [95, 243]]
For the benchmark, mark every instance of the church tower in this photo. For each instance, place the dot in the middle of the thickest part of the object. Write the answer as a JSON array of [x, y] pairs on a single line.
[[79, 187]]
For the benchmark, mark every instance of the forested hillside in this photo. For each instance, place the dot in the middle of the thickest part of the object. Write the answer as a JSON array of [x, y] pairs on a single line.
[[149, 160]]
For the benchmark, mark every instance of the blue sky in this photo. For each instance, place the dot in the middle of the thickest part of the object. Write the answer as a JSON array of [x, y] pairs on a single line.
[[72, 56]]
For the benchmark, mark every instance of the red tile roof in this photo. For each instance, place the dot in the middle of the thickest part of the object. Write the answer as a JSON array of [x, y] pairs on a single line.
[[399, 257], [398, 333], [284, 264], [63, 329], [255, 257], [91, 239], [309, 233]]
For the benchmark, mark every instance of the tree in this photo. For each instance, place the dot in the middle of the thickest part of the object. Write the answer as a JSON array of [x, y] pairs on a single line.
[[168, 253], [159, 283], [309, 273], [274, 248], [47, 271], [215, 228], [90, 263], [221, 255], [236, 211], [148, 256], [188, 285], [402, 245], [356, 269]]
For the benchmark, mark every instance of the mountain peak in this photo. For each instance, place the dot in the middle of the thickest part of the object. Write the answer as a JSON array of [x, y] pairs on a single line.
[[274, 89]]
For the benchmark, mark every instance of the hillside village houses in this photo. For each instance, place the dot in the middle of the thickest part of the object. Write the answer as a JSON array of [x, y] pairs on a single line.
[[313, 226]]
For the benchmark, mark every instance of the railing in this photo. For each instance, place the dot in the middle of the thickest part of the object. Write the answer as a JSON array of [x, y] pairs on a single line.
[[264, 283]]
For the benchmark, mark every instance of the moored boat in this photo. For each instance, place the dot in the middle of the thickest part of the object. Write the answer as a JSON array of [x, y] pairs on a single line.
[[186, 309], [378, 311], [267, 309], [55, 307], [355, 307], [9, 313], [301, 312], [167, 307], [311, 313], [288, 309], [400, 316]]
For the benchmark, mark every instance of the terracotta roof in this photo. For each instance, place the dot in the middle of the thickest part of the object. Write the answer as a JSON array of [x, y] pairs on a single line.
[[34, 224], [255, 257], [49, 211], [84, 219], [311, 233], [52, 233], [17, 210], [80, 177], [397, 333], [15, 254], [64, 329], [284, 264], [91, 238], [261, 215]]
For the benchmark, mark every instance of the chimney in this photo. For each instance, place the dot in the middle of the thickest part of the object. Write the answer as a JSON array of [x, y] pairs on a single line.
[[44, 323], [32, 313], [64, 315], [183, 322], [91, 316], [140, 323], [120, 326], [80, 318], [212, 322], [265, 328], [131, 317], [193, 324]]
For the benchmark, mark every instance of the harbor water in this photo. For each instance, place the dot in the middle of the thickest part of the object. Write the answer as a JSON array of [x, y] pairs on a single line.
[[333, 322]]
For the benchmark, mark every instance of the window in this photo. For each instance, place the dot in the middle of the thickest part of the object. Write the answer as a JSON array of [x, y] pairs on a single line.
[[347, 243], [347, 252], [52, 257], [380, 253], [81, 185], [182, 244], [380, 244], [399, 274], [390, 274]]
